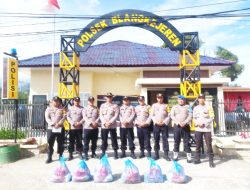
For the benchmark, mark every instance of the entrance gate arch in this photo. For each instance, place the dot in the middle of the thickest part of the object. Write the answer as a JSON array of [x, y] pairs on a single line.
[[186, 43]]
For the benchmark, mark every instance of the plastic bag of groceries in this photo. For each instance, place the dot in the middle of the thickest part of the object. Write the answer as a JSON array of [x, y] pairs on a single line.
[[131, 173], [176, 173], [61, 173], [103, 173], [154, 174], [82, 173]]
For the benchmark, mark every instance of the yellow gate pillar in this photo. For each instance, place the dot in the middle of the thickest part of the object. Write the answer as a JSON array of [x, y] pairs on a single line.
[[190, 85]]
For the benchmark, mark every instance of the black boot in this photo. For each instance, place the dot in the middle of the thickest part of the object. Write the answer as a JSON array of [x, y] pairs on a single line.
[[93, 155], [49, 159], [156, 157], [197, 161], [132, 154], [70, 156], [197, 158], [85, 157], [149, 154], [142, 155], [103, 153], [166, 157], [115, 154], [123, 154], [211, 162]]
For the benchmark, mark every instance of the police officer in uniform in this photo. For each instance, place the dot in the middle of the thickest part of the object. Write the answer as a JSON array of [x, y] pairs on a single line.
[[126, 116], [142, 122], [91, 124], [75, 118], [203, 119], [160, 117], [181, 115], [55, 117], [109, 114]]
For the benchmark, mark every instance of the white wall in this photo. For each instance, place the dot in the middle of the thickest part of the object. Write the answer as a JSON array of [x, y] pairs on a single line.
[[94, 83]]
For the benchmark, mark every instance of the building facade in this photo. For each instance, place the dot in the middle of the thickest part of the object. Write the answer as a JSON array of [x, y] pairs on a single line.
[[124, 68]]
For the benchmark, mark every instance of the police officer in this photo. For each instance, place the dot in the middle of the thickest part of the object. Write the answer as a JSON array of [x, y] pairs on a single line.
[[142, 122], [55, 117], [160, 117], [75, 118], [109, 114], [203, 119], [91, 124], [126, 116], [181, 115]]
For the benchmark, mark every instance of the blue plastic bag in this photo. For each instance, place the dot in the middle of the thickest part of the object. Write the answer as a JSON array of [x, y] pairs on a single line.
[[103, 173], [154, 174], [82, 173], [61, 173], [130, 173], [176, 173]]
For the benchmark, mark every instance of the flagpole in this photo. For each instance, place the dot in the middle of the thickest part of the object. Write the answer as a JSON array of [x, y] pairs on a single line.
[[53, 58]]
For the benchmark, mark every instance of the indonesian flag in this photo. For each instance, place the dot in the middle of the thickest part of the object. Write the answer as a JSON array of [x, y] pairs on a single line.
[[54, 3], [51, 6]]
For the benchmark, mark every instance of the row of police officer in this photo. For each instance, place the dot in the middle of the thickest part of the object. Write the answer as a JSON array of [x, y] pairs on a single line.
[[140, 116]]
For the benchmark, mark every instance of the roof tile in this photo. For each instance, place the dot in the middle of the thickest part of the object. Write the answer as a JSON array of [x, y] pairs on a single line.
[[123, 54]]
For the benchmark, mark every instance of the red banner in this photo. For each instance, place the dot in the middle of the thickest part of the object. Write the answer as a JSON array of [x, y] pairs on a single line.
[[232, 100]]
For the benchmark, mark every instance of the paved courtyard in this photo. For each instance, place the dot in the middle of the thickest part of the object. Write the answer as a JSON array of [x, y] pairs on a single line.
[[33, 173]]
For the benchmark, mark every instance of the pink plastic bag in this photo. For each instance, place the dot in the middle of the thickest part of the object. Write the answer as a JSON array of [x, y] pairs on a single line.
[[61, 173]]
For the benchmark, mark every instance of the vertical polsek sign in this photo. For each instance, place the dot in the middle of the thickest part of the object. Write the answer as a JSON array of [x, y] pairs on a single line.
[[10, 78]]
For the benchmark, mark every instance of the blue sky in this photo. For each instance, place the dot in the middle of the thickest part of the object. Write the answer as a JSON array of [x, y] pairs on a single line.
[[231, 33]]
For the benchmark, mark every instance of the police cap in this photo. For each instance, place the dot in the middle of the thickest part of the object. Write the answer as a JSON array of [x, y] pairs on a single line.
[[201, 96], [77, 99], [91, 98], [125, 98], [109, 94], [159, 95], [56, 99], [180, 96], [141, 98]]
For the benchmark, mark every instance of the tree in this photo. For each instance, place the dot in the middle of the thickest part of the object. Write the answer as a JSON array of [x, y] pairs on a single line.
[[234, 70], [23, 95]]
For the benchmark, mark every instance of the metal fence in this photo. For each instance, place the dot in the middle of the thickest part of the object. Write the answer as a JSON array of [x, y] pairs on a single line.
[[31, 120], [232, 118]]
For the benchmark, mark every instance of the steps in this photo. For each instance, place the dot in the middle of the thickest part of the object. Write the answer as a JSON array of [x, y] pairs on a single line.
[[233, 147]]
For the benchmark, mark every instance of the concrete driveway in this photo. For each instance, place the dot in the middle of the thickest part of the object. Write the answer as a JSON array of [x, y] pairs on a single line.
[[33, 173]]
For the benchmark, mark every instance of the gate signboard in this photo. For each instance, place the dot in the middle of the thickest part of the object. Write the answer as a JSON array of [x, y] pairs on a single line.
[[137, 18]]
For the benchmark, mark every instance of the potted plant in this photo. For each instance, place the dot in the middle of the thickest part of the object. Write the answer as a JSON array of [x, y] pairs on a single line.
[[9, 151]]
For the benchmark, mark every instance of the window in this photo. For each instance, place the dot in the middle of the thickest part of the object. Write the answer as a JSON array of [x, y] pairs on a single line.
[[84, 98]]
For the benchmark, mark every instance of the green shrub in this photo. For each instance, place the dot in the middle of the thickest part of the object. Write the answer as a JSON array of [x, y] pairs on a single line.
[[10, 134]]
